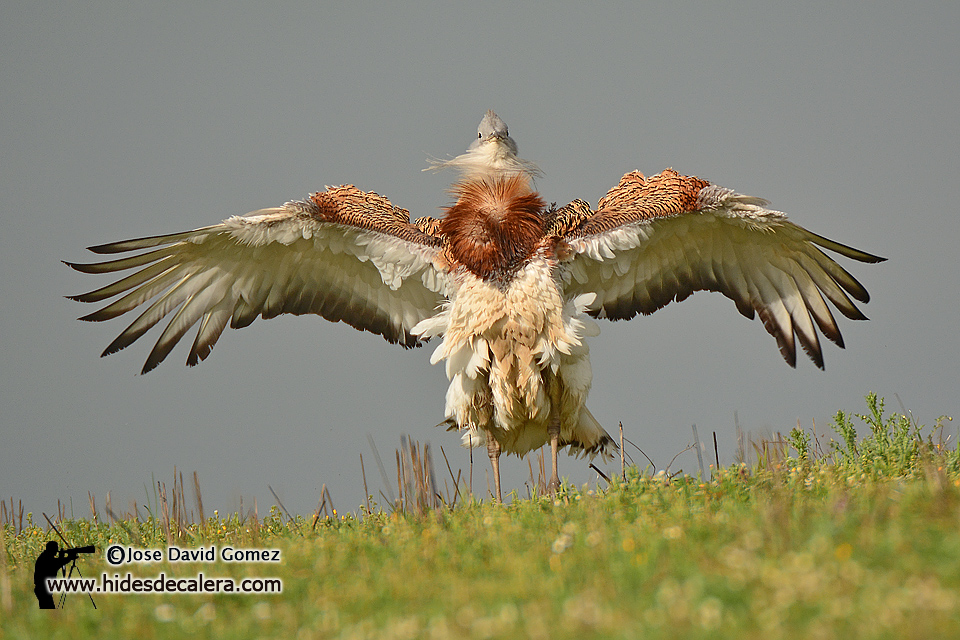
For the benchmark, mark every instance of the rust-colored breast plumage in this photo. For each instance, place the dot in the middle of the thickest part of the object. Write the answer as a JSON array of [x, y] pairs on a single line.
[[350, 206], [636, 198], [494, 226]]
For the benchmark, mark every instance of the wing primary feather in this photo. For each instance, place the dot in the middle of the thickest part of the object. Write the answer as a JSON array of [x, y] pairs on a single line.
[[780, 323], [163, 305], [768, 306], [136, 297], [211, 326], [793, 300], [121, 264], [190, 311], [131, 281], [816, 305], [829, 287], [840, 275], [842, 249], [151, 241]]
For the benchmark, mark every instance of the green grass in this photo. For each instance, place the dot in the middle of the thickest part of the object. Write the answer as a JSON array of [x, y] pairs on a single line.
[[854, 538]]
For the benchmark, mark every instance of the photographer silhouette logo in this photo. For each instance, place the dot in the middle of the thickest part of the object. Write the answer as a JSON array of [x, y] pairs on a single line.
[[49, 562]]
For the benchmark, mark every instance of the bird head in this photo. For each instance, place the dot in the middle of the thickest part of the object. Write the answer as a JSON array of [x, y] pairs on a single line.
[[493, 133], [493, 154]]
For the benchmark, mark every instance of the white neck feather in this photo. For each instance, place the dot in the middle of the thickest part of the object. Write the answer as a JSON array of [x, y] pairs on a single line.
[[488, 161]]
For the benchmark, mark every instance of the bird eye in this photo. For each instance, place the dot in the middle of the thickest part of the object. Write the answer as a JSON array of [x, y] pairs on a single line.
[[479, 135]]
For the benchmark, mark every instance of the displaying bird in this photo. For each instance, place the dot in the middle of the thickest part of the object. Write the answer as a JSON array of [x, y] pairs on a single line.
[[507, 283]]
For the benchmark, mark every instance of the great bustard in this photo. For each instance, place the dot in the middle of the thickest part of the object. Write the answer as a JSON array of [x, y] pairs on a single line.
[[505, 281]]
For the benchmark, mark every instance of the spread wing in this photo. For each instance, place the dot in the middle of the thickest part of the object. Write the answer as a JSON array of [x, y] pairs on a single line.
[[342, 254], [658, 239]]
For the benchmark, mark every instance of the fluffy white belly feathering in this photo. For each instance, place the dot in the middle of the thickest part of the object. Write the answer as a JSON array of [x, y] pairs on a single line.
[[517, 358]]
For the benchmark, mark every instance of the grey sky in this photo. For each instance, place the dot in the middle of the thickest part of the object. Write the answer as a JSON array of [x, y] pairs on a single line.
[[119, 121]]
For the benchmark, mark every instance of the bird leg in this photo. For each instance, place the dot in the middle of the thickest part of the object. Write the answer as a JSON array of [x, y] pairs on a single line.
[[493, 450], [554, 432]]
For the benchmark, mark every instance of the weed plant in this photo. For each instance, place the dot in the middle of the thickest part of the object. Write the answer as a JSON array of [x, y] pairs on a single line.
[[848, 538]]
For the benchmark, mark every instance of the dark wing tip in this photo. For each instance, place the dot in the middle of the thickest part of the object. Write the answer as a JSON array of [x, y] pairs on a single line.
[[90, 296], [817, 358], [148, 242], [113, 347], [102, 248], [845, 249], [90, 317], [81, 267]]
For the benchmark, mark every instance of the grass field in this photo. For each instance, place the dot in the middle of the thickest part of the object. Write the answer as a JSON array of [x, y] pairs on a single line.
[[857, 538]]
